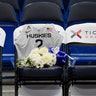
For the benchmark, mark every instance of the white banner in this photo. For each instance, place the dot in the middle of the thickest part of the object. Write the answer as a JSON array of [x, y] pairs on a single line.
[[83, 33]]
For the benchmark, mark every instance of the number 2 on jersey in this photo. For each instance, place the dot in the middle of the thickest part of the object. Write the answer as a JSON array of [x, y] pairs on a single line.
[[40, 42]]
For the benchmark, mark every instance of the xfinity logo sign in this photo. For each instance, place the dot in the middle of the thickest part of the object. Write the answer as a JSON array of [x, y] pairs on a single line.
[[85, 34], [77, 33]]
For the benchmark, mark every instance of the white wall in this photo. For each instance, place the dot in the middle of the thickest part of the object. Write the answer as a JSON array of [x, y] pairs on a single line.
[[83, 90], [56, 90], [40, 90]]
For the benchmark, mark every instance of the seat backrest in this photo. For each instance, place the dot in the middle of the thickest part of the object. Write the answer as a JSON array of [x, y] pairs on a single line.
[[58, 2], [13, 3], [9, 11], [82, 12], [43, 12], [77, 1]]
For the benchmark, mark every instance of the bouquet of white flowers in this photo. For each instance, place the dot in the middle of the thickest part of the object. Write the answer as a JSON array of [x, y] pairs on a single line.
[[38, 58]]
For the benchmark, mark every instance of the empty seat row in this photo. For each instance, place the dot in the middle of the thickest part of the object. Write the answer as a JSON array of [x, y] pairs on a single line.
[[19, 4], [80, 30], [80, 27], [14, 4], [26, 17]]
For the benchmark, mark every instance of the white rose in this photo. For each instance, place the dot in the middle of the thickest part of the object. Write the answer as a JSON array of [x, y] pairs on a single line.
[[34, 51], [38, 58], [43, 50], [48, 58], [32, 56], [38, 62]]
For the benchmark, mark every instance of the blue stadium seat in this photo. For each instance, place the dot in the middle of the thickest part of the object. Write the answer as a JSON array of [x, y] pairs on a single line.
[[41, 13], [82, 45], [8, 22]]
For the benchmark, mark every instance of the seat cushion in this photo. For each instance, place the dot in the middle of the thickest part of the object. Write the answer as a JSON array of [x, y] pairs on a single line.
[[50, 73], [83, 72]]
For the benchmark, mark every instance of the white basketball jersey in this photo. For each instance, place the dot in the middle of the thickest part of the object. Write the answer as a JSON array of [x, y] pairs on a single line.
[[37, 36]]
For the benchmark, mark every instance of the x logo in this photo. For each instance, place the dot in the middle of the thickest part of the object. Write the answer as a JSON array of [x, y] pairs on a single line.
[[76, 33]]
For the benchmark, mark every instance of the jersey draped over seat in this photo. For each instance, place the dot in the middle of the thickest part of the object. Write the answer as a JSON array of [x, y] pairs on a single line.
[[32, 37]]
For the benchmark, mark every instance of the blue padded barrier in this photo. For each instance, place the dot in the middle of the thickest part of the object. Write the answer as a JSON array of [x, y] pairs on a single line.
[[8, 50]]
